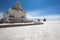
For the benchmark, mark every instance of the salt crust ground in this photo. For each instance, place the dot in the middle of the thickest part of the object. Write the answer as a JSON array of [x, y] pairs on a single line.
[[50, 30]]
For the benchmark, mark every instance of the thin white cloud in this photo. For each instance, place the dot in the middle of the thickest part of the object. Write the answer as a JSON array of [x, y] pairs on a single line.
[[33, 15]]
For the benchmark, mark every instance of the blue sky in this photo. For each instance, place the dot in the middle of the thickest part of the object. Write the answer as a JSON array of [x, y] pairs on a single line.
[[35, 8]]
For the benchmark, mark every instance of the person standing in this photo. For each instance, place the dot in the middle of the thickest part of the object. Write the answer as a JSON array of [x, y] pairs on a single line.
[[44, 19]]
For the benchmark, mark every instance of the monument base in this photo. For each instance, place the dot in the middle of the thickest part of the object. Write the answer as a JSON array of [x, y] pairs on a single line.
[[18, 24]]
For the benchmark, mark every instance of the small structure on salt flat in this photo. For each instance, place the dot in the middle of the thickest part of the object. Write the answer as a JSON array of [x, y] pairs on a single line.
[[16, 16]]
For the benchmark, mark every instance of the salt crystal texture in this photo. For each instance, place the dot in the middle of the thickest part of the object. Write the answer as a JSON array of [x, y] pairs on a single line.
[[50, 30]]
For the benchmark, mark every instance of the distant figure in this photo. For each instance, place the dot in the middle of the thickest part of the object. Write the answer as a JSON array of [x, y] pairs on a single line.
[[38, 20], [44, 19]]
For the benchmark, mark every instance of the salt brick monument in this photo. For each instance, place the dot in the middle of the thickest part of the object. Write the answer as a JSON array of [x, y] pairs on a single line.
[[15, 14]]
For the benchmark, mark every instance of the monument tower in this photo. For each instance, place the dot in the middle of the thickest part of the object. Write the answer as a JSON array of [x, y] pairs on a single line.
[[15, 14]]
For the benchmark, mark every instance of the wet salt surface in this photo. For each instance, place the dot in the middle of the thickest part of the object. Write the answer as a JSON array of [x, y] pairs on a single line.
[[48, 31]]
